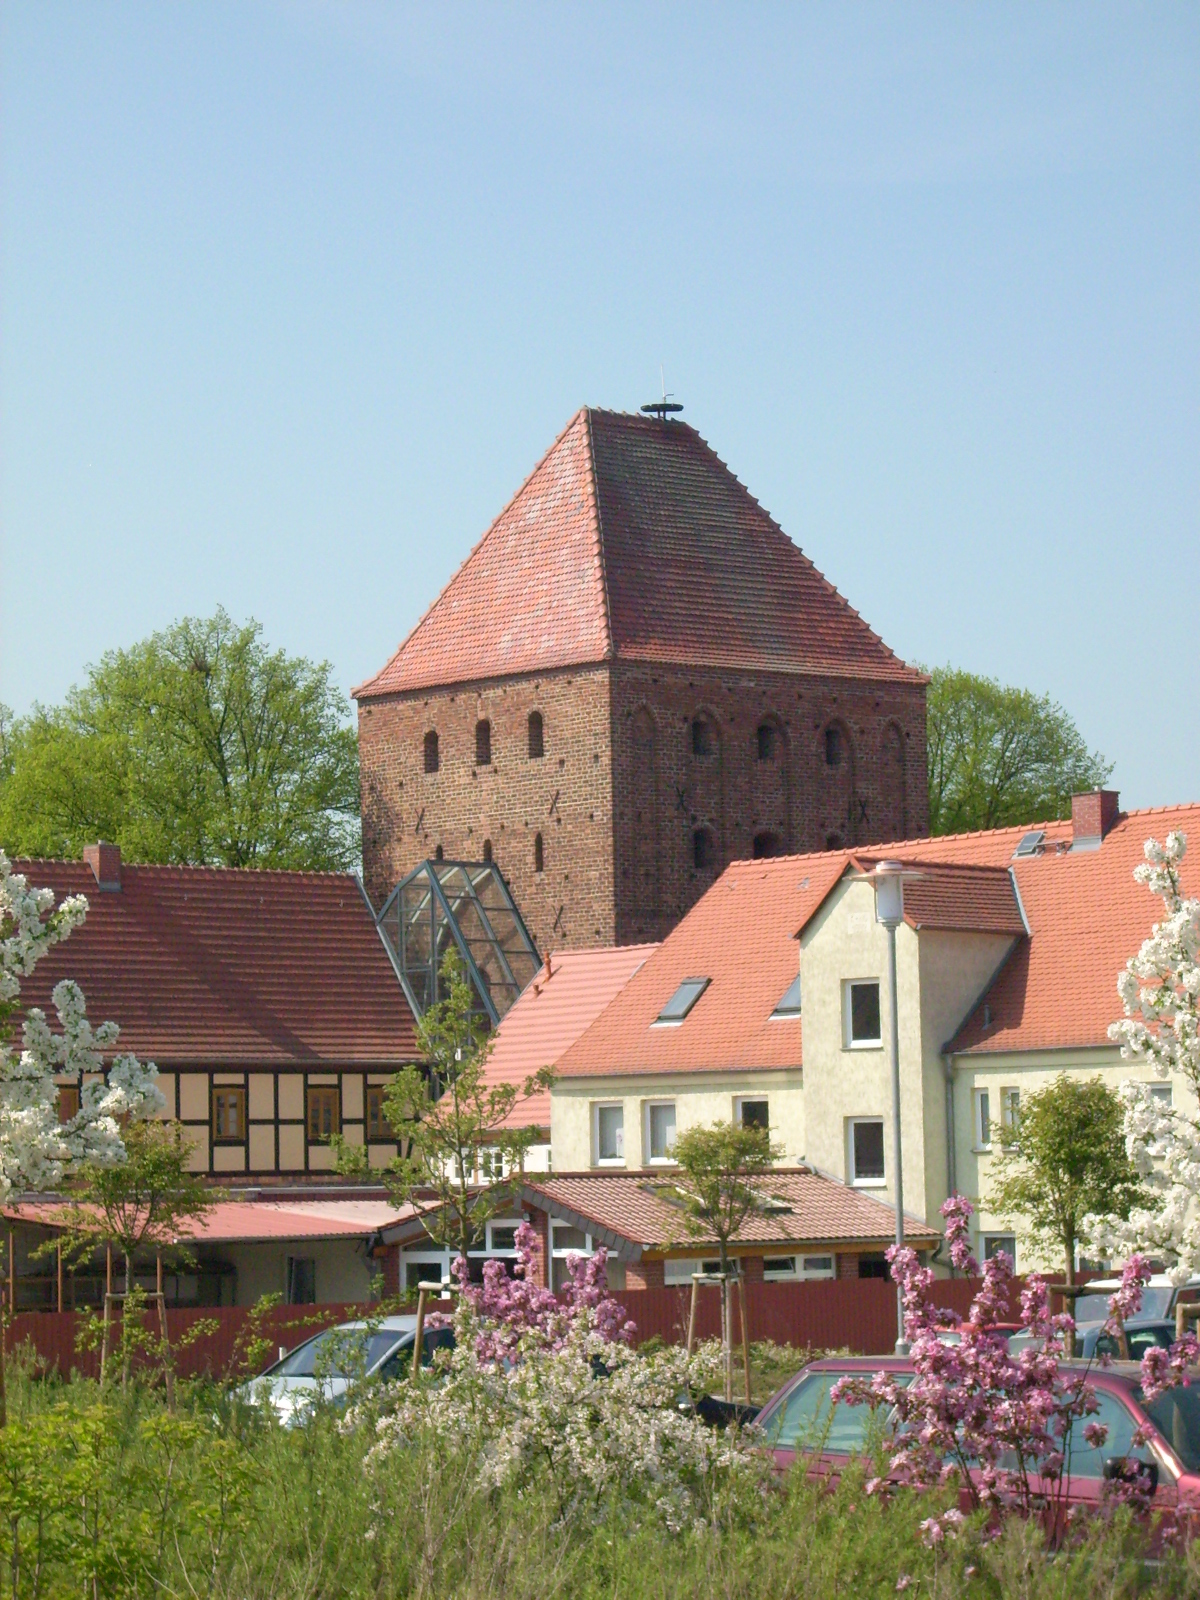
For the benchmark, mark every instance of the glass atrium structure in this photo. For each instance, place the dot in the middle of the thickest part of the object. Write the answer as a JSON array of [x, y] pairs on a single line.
[[467, 904]]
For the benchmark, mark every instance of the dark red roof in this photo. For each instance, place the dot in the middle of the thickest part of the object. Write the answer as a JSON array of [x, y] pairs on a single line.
[[633, 540], [961, 899], [234, 968]]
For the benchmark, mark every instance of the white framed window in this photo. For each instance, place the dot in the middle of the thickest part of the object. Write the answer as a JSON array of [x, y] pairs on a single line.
[[566, 1240], [660, 1129], [860, 1014], [752, 1111], [608, 1134], [677, 1270], [1010, 1110], [864, 1141], [500, 1237], [982, 1101], [1164, 1094], [798, 1269], [423, 1266], [993, 1243]]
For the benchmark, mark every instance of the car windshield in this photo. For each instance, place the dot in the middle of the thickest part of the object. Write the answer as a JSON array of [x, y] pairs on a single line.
[[1176, 1415], [806, 1421], [1156, 1302], [338, 1353]]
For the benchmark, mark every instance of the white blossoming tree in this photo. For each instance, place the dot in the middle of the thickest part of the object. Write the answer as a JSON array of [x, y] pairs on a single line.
[[1160, 990], [37, 1150]]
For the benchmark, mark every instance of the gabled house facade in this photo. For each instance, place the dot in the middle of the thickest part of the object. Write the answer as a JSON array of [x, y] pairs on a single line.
[[769, 1003], [267, 1000]]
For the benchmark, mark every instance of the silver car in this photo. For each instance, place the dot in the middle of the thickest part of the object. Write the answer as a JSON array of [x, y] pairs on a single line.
[[325, 1367]]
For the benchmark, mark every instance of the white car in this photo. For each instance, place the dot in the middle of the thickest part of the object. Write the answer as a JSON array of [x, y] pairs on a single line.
[[325, 1367]]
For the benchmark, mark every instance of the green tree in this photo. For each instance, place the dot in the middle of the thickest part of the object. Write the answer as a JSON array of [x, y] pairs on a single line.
[[139, 1203], [1000, 756], [460, 1160], [718, 1187], [1063, 1159], [198, 745]]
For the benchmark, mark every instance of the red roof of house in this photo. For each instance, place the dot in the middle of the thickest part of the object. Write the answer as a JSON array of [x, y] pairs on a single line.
[[234, 968], [1087, 917], [259, 1221], [634, 1206], [742, 936], [566, 996], [632, 540]]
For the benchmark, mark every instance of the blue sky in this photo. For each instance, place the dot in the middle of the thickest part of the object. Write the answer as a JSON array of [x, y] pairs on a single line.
[[293, 296]]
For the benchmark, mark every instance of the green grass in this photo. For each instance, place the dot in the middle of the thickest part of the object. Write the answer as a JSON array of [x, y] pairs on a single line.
[[111, 1496]]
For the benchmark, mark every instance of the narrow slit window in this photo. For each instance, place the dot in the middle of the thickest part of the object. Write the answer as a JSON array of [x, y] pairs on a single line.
[[537, 741], [539, 853], [861, 1019], [431, 751], [834, 747], [767, 737], [483, 743], [703, 851]]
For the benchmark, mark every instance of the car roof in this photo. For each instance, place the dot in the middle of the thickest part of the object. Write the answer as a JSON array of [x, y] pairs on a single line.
[[384, 1325]]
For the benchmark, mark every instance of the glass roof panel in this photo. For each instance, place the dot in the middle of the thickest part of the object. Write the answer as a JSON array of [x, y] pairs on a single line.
[[789, 1005], [466, 906], [684, 998]]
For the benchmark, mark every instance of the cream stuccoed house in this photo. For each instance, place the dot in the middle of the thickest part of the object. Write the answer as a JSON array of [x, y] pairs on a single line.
[[769, 1003]]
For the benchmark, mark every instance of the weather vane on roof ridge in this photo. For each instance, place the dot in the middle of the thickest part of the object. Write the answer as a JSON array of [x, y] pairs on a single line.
[[665, 407]]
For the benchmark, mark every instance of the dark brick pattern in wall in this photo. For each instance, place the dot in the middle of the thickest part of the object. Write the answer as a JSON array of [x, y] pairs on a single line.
[[781, 763], [564, 796], [769, 793]]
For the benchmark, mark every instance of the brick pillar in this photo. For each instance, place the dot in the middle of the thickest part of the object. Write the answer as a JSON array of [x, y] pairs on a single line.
[[539, 1221], [752, 1268], [389, 1261], [847, 1265]]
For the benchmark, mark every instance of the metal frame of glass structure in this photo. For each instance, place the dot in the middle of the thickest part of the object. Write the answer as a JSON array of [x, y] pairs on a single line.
[[467, 904]]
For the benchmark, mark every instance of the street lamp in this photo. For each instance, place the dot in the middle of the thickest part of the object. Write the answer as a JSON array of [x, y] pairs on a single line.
[[887, 879]]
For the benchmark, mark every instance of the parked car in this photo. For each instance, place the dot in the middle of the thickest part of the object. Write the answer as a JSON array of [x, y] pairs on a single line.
[[325, 1367], [799, 1421], [1141, 1334], [1159, 1299]]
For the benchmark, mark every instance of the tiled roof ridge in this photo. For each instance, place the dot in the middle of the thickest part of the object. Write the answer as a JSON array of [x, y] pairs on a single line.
[[598, 534], [918, 676], [801, 1169], [363, 691], [215, 869]]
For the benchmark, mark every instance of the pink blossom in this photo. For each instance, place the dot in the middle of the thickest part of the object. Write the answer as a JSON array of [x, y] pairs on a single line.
[[1096, 1433], [1127, 1301]]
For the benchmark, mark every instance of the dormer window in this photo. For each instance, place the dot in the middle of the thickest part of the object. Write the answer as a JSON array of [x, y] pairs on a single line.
[[682, 1001], [789, 1004]]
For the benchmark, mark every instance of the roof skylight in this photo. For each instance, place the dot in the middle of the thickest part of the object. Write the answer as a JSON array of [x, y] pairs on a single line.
[[1031, 843], [789, 1006], [682, 1001]]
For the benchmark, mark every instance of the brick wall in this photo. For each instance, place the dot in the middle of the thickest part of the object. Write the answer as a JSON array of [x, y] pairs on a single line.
[[565, 796], [790, 798], [622, 791]]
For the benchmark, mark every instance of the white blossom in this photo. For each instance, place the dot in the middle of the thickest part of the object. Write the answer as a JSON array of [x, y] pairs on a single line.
[[36, 1149], [1160, 991], [603, 1421]]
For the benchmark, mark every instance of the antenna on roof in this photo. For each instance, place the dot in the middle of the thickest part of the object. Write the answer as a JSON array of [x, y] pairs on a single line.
[[665, 407]]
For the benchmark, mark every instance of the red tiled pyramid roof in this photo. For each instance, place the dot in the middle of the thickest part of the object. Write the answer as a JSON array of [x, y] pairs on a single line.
[[632, 540], [234, 968]]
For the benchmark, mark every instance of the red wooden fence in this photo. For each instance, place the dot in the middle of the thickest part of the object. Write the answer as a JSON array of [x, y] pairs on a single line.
[[854, 1313]]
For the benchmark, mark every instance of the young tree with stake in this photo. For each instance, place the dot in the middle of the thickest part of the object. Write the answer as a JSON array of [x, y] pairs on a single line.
[[718, 1187], [459, 1158]]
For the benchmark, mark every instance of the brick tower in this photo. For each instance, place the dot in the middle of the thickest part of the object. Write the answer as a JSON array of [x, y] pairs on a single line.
[[634, 678]]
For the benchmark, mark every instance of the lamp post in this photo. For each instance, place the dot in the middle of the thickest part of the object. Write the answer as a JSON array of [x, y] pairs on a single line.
[[888, 882]]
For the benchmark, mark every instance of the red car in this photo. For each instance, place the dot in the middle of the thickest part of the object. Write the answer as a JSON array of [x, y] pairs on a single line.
[[798, 1420]]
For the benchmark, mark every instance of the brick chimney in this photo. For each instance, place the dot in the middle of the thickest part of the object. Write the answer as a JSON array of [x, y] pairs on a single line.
[[105, 862], [1092, 815]]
